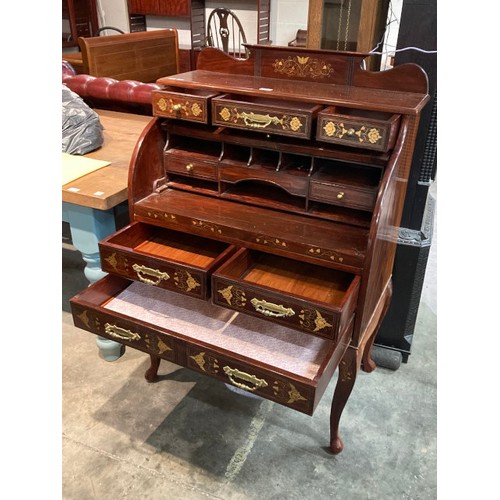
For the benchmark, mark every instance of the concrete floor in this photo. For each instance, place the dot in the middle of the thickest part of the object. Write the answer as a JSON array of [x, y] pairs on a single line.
[[190, 437]]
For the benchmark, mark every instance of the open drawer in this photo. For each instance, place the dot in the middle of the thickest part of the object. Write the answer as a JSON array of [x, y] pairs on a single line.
[[267, 359], [299, 295], [264, 115], [164, 258], [358, 128], [191, 105]]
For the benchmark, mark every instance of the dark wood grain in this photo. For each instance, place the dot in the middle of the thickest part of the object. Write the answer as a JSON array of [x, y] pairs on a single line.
[[296, 233]]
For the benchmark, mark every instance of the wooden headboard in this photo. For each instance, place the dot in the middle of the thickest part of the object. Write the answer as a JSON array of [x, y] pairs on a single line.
[[144, 56]]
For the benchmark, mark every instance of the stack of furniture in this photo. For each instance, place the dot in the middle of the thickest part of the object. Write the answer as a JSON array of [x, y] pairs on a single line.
[[264, 199], [194, 12]]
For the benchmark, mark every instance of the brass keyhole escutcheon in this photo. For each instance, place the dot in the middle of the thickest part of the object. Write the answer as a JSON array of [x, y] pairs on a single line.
[[340, 195], [189, 167]]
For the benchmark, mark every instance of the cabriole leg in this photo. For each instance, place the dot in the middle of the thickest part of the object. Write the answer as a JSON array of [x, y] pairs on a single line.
[[348, 370], [151, 374]]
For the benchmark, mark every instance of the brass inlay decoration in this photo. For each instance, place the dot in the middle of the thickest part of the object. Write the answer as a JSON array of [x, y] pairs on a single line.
[[158, 215], [255, 120], [185, 281], [295, 395], [258, 383], [196, 109], [233, 296], [162, 104], [271, 310], [313, 320], [274, 242], [364, 134], [186, 107], [143, 271], [83, 316], [345, 372], [199, 359], [303, 66], [325, 254], [120, 333], [203, 225], [162, 347], [112, 261], [208, 364], [287, 392]]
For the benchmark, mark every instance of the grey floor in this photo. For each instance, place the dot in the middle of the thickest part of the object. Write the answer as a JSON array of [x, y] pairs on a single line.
[[189, 437]]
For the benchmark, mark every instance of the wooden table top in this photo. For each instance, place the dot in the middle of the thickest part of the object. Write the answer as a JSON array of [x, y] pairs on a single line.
[[107, 187]]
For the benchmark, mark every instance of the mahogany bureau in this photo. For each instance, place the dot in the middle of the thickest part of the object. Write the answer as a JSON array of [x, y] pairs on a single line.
[[265, 197]]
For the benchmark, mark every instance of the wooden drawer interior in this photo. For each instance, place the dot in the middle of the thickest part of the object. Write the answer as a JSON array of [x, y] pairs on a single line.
[[285, 290], [164, 257], [199, 333], [291, 277]]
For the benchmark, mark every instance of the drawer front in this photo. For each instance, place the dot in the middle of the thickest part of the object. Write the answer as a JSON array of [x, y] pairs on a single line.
[[211, 355], [259, 118], [123, 331], [190, 167], [342, 195], [295, 294], [249, 378], [357, 132], [273, 307], [181, 106], [163, 258], [154, 272]]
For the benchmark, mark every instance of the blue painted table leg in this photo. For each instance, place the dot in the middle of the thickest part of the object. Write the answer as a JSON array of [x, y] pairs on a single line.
[[88, 226]]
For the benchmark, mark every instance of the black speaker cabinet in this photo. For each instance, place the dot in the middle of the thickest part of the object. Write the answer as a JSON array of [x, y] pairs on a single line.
[[415, 235]]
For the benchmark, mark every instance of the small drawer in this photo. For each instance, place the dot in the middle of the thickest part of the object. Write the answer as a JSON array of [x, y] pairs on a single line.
[[191, 167], [358, 128], [264, 115], [191, 158], [345, 185], [299, 295], [163, 258], [270, 360], [193, 105]]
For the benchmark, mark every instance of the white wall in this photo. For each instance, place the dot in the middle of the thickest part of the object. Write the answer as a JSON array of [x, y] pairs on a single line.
[[113, 13]]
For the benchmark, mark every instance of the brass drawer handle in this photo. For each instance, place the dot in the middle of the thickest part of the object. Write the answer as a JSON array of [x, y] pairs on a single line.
[[259, 121], [120, 333], [340, 195], [234, 372], [155, 273], [176, 107], [189, 167], [272, 310]]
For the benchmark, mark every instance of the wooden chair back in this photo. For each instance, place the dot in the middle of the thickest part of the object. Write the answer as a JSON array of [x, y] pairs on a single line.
[[225, 32]]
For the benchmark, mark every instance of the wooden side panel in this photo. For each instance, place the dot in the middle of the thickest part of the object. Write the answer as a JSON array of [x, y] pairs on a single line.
[[142, 56], [385, 227], [146, 164]]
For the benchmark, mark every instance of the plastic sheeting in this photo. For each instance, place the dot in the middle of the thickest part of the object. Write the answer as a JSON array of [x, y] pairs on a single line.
[[82, 132]]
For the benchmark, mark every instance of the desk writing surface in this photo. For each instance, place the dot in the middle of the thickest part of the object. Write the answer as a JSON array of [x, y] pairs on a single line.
[[107, 187]]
